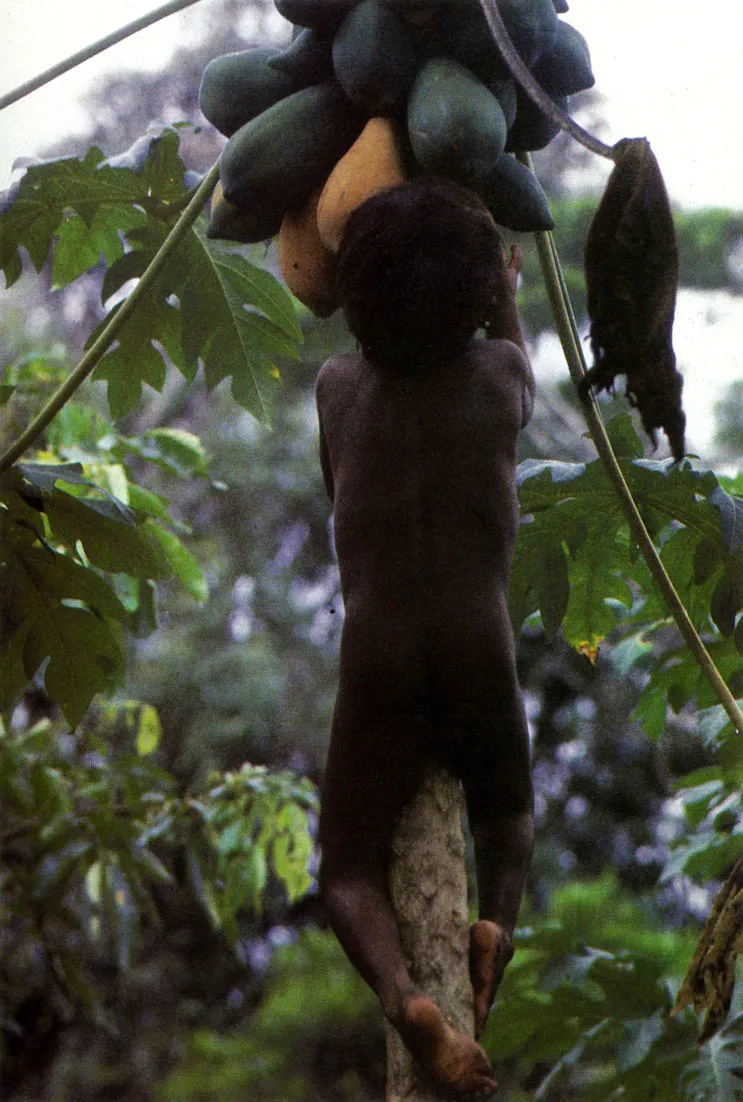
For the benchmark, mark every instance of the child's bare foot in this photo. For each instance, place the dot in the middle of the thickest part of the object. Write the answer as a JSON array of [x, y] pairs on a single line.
[[491, 948], [453, 1060]]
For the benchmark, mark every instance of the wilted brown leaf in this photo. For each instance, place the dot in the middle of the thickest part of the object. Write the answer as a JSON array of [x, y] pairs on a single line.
[[631, 266], [710, 979]]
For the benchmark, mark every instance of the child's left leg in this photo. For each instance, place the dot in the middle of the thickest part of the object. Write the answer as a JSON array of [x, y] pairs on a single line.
[[489, 748]]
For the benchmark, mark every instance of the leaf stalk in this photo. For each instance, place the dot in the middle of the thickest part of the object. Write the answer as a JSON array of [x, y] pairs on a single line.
[[94, 48], [109, 333]]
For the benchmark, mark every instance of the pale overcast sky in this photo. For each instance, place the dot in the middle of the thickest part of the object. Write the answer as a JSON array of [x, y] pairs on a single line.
[[669, 70]]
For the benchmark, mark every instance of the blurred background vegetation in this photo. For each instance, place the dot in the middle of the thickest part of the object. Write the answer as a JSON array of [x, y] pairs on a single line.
[[273, 1011]]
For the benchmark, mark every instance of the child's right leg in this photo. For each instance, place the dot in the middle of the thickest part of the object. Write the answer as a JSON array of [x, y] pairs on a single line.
[[373, 768]]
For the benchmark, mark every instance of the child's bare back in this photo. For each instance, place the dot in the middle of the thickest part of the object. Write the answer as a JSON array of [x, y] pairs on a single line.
[[421, 469]]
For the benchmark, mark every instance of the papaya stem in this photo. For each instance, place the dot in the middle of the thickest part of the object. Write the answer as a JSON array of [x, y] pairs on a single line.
[[117, 321], [570, 339], [521, 73], [90, 51]]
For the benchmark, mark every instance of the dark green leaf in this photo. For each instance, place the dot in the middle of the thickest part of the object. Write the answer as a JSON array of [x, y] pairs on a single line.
[[731, 518], [101, 193], [85, 657], [182, 563], [80, 246], [108, 543], [595, 578]]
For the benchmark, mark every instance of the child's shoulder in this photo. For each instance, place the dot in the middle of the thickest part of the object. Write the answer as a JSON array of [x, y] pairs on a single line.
[[338, 374], [337, 368], [499, 359]]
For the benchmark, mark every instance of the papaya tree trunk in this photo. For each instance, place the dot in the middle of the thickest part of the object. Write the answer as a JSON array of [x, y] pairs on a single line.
[[428, 884]]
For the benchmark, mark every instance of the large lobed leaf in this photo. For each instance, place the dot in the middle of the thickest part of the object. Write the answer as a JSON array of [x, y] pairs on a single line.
[[84, 202], [59, 612], [210, 306]]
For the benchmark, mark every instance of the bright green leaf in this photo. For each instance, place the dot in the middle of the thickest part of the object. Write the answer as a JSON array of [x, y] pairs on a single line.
[[148, 730]]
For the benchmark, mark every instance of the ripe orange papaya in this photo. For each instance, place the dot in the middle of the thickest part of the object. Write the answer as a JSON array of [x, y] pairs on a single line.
[[374, 161], [307, 266]]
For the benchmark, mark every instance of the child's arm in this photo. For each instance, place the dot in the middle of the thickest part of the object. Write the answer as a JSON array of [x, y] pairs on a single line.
[[504, 323], [327, 471], [321, 400]]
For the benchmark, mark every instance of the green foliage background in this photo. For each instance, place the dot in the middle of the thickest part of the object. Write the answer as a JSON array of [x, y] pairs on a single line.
[[170, 617]]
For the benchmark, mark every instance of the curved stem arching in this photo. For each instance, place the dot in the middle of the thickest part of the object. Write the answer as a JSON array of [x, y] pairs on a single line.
[[94, 48], [109, 333], [522, 74]]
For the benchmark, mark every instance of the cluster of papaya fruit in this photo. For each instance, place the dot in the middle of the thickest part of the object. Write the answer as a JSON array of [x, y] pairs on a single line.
[[371, 93]]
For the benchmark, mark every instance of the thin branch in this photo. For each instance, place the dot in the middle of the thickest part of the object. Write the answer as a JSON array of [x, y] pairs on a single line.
[[524, 77], [109, 333], [90, 51], [570, 340]]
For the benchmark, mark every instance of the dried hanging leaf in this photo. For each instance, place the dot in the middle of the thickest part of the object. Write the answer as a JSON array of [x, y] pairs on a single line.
[[709, 982], [631, 266]]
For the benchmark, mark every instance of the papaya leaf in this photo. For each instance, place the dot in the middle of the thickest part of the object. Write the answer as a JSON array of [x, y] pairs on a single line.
[[12, 670], [140, 354], [731, 517], [173, 450], [539, 579], [79, 247], [183, 564], [220, 293], [102, 194], [56, 577], [718, 1069], [85, 657], [232, 316], [665, 492], [595, 581], [109, 544], [623, 437]]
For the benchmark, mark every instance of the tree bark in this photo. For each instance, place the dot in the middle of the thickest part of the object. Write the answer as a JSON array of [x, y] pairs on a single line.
[[428, 884]]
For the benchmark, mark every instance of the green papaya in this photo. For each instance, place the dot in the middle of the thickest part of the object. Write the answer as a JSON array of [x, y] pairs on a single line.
[[532, 129], [456, 125], [279, 157], [237, 87], [515, 198], [314, 13], [565, 68], [459, 30], [308, 59], [415, 7], [505, 92], [531, 25], [228, 222], [374, 58]]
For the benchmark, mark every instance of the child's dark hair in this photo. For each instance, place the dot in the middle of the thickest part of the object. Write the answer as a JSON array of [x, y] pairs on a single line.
[[417, 271]]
